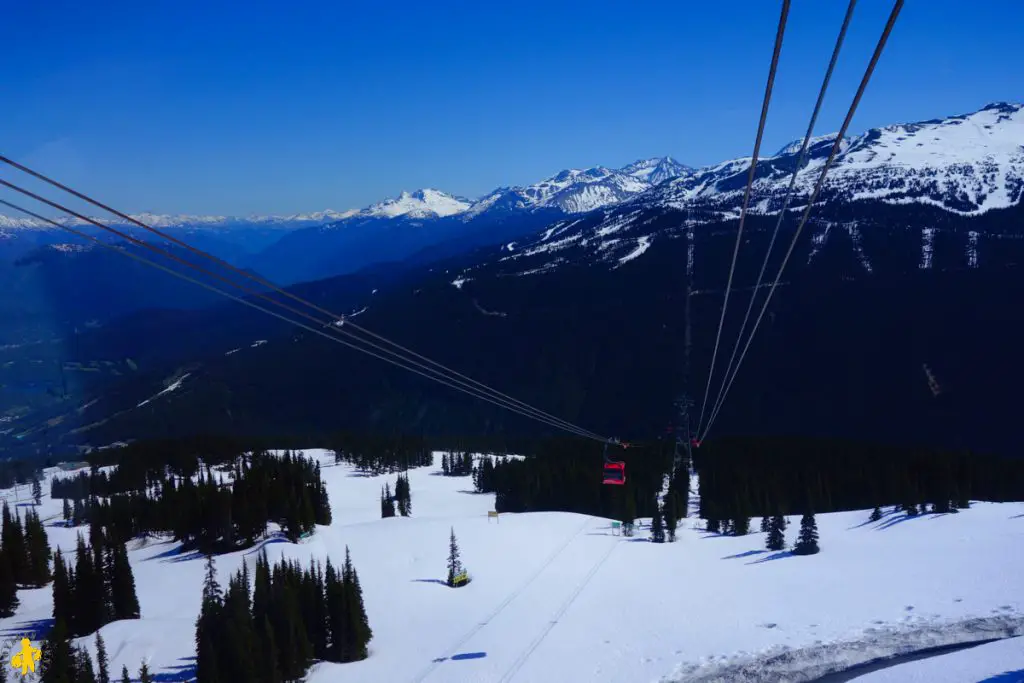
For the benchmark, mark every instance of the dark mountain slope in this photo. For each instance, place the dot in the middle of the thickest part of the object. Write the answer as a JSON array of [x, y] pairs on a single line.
[[842, 352]]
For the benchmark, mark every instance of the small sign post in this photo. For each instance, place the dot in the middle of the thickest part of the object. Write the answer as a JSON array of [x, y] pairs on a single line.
[[494, 514], [616, 527]]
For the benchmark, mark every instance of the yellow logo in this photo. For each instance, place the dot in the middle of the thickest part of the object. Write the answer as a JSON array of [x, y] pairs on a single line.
[[26, 658]]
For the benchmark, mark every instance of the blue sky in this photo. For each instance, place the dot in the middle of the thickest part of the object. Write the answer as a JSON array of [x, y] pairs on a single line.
[[273, 107]]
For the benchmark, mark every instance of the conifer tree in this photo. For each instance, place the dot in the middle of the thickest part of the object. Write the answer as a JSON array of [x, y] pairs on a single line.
[[657, 524], [8, 587], [876, 514], [13, 539], [125, 678], [37, 490], [445, 468], [454, 563], [765, 524], [713, 525], [776, 539], [671, 517], [207, 627], [63, 597], [358, 632], [741, 526], [66, 510], [144, 675], [101, 659], [38, 546], [84, 671], [57, 662], [807, 542], [123, 598]]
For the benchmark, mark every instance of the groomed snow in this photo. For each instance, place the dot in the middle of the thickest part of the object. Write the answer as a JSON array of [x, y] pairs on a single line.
[[557, 597]]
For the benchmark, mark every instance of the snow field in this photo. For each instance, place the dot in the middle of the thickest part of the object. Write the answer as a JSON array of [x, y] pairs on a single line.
[[557, 597]]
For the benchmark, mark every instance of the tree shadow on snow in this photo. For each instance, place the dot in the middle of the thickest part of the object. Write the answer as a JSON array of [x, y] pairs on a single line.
[[1006, 677], [33, 630], [438, 581], [1020, 516], [181, 673], [777, 556], [900, 520], [175, 554], [885, 517], [749, 553], [470, 492]]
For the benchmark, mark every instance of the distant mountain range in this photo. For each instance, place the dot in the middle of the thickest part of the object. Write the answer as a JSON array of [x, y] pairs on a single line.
[[571, 294]]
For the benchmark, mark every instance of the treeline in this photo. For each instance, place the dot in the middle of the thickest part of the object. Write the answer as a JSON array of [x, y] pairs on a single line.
[[564, 475], [24, 557], [221, 512], [96, 588], [291, 618], [375, 454], [742, 478]]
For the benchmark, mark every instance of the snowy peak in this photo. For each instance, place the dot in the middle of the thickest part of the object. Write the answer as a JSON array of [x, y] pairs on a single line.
[[425, 203], [656, 170], [582, 190]]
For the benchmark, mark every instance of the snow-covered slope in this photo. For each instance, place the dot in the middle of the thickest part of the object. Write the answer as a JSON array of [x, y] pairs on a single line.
[[558, 597]]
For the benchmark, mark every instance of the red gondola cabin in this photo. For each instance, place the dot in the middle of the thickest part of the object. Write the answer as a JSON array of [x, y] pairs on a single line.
[[614, 473]]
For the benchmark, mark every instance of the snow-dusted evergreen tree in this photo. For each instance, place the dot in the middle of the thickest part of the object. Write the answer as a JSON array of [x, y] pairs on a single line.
[[657, 524], [455, 568], [776, 539], [807, 542]]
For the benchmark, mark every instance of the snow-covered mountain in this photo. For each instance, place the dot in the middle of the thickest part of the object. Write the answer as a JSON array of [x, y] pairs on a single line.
[[425, 203], [963, 167], [188, 220], [965, 164], [656, 170]]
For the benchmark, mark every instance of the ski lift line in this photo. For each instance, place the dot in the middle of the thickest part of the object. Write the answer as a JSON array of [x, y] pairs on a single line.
[[746, 195], [571, 429], [814, 195], [788, 197], [267, 283], [523, 407]]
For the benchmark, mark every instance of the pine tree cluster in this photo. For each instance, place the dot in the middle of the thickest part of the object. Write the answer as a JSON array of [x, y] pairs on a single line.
[[24, 557], [403, 495], [290, 618], [97, 589], [457, 464], [387, 502], [375, 455], [217, 514], [63, 662]]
